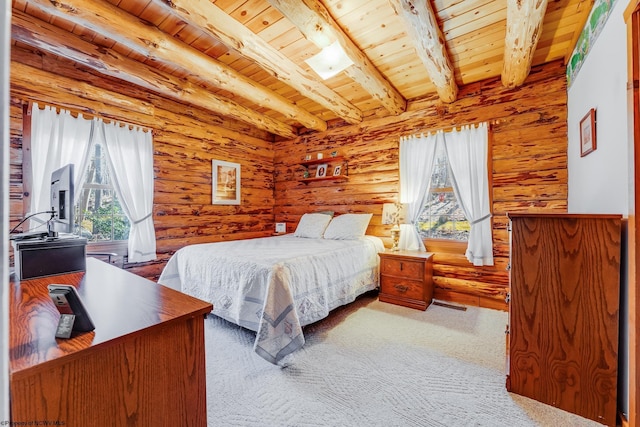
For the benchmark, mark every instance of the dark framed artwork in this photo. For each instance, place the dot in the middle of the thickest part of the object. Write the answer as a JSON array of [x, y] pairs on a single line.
[[321, 172], [588, 133]]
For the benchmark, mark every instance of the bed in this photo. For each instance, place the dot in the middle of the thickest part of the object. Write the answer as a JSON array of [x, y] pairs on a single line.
[[276, 285]]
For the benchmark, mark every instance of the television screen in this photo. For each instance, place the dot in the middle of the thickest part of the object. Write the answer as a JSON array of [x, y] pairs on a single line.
[[61, 199]]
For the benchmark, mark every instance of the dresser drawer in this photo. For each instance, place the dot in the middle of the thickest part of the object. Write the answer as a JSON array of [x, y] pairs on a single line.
[[408, 269], [402, 288]]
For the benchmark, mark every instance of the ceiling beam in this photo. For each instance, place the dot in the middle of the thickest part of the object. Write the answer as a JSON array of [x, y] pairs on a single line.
[[524, 26], [48, 38], [217, 23], [137, 35], [428, 40], [319, 27]]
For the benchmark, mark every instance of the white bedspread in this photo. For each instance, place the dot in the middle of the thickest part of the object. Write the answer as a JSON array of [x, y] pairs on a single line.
[[275, 285]]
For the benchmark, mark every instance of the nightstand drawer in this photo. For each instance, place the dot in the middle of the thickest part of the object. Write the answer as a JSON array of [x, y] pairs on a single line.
[[402, 288], [408, 269]]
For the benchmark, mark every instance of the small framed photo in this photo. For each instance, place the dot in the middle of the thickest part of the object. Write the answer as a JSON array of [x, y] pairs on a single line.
[[588, 133], [337, 171], [225, 183], [321, 172]]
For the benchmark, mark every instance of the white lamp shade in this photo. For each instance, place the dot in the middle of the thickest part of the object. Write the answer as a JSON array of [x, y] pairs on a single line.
[[393, 213], [389, 213]]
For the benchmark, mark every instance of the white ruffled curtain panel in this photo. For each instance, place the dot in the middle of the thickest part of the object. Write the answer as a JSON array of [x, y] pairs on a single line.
[[130, 156], [58, 139], [467, 151], [417, 154]]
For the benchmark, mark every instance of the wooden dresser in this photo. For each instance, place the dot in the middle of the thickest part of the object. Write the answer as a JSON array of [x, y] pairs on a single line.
[[406, 278], [144, 364], [562, 341]]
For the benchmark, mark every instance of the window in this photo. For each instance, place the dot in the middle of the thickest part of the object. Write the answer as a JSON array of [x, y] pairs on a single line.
[[442, 217], [99, 214], [426, 177], [114, 205]]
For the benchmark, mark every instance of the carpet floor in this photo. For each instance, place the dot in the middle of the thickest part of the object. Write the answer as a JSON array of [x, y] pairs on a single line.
[[374, 364]]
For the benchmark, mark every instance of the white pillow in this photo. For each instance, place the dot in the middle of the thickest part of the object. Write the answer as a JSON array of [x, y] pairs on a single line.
[[312, 225], [348, 226]]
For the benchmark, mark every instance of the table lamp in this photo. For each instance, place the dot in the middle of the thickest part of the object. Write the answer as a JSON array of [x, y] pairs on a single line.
[[393, 213]]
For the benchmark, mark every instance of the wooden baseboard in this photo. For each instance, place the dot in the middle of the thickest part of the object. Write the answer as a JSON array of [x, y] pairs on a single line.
[[470, 300]]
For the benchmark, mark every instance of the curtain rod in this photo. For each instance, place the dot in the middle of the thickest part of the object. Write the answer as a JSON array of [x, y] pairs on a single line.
[[452, 128], [86, 115]]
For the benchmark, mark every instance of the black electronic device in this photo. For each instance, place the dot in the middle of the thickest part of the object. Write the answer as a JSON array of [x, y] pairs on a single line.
[[61, 201], [49, 257], [29, 235], [68, 303]]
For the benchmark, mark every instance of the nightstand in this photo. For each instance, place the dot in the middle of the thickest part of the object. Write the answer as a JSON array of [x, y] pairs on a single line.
[[406, 278]]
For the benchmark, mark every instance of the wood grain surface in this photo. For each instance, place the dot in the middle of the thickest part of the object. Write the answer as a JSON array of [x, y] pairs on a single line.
[[143, 365], [565, 284]]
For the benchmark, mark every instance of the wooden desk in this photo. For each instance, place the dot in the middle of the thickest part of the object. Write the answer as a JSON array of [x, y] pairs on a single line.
[[143, 365]]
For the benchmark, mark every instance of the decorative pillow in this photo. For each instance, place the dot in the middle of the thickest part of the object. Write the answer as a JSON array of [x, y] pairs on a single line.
[[348, 226], [330, 213], [312, 225]]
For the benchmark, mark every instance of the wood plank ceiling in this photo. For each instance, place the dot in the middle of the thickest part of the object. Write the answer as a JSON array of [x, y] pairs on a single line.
[[245, 59]]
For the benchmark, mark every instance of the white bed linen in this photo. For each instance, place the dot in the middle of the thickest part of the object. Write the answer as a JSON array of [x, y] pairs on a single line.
[[275, 285]]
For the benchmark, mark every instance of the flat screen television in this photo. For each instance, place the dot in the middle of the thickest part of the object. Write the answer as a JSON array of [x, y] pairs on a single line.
[[61, 198]]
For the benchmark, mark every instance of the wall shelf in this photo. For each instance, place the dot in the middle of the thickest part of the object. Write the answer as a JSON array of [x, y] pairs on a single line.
[[312, 165], [325, 178], [324, 160]]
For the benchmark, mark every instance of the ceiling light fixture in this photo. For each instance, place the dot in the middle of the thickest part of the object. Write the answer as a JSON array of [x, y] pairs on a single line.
[[330, 61]]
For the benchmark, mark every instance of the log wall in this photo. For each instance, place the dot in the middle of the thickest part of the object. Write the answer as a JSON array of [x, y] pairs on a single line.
[[529, 162], [529, 170], [186, 139]]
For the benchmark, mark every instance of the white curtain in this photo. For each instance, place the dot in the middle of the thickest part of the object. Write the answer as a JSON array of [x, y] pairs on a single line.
[[467, 151], [130, 155], [417, 154], [57, 139]]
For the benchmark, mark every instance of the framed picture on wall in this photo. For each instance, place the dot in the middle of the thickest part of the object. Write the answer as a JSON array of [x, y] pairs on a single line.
[[225, 183], [588, 133], [337, 170], [321, 172]]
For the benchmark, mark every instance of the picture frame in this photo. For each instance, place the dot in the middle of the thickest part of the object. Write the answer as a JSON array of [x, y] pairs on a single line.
[[337, 171], [588, 141], [321, 171], [225, 183]]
